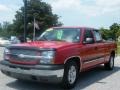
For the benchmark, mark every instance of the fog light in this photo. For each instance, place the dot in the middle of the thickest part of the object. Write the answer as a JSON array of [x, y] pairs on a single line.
[[6, 57]]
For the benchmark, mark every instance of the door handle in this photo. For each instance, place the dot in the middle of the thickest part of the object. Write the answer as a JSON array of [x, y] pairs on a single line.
[[96, 48]]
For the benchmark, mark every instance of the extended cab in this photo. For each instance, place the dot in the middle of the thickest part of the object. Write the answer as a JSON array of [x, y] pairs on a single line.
[[58, 55]]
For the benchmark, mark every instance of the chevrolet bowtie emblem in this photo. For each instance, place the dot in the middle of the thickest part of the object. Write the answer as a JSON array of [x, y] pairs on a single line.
[[21, 55]]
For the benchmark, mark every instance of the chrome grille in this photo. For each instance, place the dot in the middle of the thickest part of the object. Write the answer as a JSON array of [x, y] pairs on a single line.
[[23, 51], [16, 52]]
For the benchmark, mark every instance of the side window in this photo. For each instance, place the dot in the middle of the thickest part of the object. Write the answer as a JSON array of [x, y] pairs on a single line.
[[88, 34], [97, 35]]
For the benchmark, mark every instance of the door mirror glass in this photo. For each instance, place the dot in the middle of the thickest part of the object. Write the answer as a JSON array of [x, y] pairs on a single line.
[[88, 41]]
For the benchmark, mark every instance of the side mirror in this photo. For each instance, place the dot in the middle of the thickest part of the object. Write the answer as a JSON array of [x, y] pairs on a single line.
[[88, 41]]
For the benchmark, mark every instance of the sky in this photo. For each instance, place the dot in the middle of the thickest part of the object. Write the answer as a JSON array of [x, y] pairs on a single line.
[[90, 13]]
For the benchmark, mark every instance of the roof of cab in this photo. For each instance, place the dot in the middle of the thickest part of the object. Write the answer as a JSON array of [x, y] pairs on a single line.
[[74, 27]]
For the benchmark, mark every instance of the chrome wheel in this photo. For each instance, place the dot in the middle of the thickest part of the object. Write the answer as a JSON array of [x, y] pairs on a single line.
[[110, 65], [72, 74], [111, 62]]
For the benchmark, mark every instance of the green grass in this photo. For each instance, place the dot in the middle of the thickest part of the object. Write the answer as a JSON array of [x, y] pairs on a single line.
[[118, 48], [118, 43]]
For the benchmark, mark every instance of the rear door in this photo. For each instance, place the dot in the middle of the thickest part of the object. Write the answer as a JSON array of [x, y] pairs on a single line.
[[100, 47]]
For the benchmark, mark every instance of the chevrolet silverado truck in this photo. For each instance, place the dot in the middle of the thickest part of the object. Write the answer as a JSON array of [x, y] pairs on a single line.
[[58, 55]]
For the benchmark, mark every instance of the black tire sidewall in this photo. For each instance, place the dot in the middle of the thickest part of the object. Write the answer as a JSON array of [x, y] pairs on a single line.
[[112, 61], [65, 82], [108, 65]]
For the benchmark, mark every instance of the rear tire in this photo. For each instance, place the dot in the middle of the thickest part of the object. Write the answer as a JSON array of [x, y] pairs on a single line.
[[70, 77], [110, 64]]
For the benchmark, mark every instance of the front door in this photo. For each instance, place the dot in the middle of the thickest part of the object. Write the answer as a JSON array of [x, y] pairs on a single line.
[[89, 51]]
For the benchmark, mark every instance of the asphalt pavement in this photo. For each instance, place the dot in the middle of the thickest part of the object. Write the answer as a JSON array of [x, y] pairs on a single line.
[[95, 79]]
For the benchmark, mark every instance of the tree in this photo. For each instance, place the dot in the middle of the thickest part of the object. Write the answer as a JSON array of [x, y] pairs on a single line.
[[39, 10], [6, 29], [0, 26], [0, 29], [106, 34], [115, 31]]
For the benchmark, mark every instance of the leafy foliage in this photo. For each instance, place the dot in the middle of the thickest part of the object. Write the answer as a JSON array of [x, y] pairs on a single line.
[[115, 31], [39, 10], [112, 33], [6, 29], [105, 33]]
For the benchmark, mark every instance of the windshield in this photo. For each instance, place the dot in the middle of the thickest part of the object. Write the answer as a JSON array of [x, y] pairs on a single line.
[[61, 34]]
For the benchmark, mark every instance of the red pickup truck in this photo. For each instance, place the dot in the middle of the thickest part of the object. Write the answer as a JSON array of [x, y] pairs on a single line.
[[58, 55]]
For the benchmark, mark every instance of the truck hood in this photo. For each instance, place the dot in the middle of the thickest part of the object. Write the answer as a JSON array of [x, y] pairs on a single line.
[[45, 44]]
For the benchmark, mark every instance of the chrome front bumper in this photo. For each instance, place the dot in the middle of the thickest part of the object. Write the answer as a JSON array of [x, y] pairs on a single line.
[[33, 74]]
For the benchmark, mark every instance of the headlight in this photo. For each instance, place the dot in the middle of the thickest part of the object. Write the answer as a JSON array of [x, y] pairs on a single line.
[[6, 53], [47, 57]]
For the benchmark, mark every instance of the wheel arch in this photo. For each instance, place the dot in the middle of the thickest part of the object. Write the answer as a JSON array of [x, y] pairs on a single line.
[[77, 59], [113, 53]]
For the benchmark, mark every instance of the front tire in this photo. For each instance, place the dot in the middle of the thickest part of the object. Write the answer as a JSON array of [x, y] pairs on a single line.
[[70, 75], [110, 64]]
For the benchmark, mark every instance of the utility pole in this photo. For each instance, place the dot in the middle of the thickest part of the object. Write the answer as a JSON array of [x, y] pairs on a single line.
[[25, 19], [34, 30]]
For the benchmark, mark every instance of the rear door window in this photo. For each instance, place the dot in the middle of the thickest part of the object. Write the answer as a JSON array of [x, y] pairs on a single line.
[[97, 36]]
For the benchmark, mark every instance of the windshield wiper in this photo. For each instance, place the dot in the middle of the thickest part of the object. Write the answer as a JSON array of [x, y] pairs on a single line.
[[58, 40]]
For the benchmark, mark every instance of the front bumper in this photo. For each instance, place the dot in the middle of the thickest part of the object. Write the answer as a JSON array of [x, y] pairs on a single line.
[[42, 73]]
